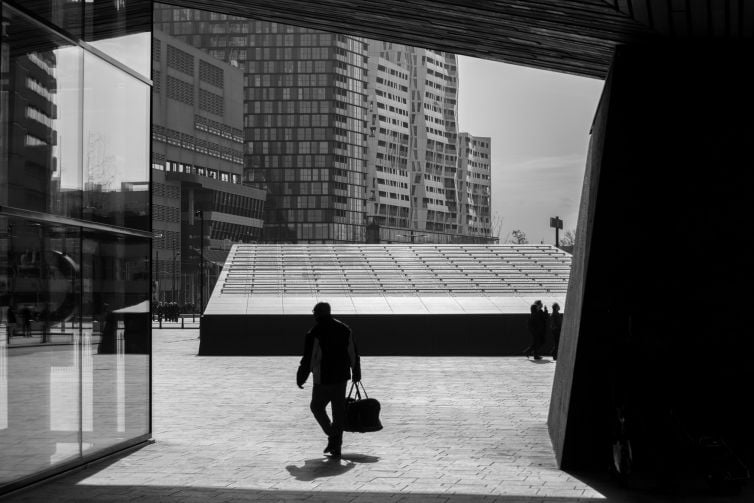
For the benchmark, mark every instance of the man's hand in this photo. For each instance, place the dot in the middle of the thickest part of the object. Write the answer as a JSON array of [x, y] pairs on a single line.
[[356, 376], [301, 376]]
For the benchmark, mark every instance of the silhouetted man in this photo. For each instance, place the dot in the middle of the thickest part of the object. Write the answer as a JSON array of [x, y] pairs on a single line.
[[330, 354], [556, 323], [537, 329]]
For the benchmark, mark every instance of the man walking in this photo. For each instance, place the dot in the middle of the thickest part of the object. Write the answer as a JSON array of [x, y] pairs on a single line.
[[330, 354]]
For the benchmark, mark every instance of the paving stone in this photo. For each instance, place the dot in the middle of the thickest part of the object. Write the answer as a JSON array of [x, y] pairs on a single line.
[[457, 430]]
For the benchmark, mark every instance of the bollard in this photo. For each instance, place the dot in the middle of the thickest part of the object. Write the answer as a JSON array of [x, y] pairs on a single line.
[[181, 321], [160, 318]]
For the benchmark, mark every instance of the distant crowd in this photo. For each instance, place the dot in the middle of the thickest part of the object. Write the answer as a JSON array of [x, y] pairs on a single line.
[[170, 311]]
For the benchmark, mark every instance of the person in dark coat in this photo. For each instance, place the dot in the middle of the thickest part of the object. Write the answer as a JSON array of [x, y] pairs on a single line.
[[537, 330], [11, 322], [556, 323], [330, 355], [26, 320]]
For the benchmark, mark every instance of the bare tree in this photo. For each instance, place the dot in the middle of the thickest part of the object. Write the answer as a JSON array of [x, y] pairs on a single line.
[[568, 241], [497, 225], [519, 237]]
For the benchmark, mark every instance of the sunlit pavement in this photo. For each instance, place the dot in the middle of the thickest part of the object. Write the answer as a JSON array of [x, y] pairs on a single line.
[[238, 429]]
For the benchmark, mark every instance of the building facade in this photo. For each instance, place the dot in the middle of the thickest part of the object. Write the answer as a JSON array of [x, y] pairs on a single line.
[[342, 131], [418, 161], [474, 185], [75, 340], [304, 112], [197, 170]]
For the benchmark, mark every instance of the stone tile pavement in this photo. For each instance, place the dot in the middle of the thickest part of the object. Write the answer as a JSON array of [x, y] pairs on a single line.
[[232, 429]]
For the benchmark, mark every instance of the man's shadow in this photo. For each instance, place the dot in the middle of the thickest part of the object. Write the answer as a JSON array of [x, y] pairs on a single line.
[[540, 362], [328, 466]]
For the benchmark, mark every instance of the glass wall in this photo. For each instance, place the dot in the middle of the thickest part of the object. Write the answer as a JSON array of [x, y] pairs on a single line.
[[75, 335]]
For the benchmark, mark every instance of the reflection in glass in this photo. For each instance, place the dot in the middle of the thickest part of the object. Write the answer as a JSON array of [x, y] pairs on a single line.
[[75, 334], [39, 374], [3, 380], [65, 14], [40, 155], [116, 312], [116, 148], [123, 30]]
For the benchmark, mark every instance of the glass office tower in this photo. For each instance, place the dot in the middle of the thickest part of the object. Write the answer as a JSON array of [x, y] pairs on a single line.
[[304, 119], [75, 336]]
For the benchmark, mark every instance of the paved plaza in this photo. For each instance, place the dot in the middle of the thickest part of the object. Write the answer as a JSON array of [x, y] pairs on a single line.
[[232, 429]]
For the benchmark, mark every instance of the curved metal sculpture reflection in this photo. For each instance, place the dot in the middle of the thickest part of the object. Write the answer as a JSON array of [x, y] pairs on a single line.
[[48, 286]]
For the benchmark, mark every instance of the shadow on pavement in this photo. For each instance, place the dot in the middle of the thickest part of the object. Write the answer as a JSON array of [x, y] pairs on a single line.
[[321, 467], [327, 466], [170, 494], [647, 490], [71, 488]]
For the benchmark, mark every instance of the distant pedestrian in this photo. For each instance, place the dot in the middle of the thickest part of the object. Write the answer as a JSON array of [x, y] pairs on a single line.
[[537, 330], [26, 321], [11, 322], [556, 323], [330, 355]]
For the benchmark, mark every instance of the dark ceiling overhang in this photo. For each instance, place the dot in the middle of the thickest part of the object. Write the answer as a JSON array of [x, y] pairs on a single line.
[[570, 36]]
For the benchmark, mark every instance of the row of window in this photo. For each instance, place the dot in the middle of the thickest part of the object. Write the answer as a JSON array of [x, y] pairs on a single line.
[[394, 85], [393, 195], [393, 72], [164, 213], [393, 109], [285, 120], [283, 147], [165, 190], [189, 142], [234, 232], [317, 232], [180, 167], [218, 129], [236, 204]]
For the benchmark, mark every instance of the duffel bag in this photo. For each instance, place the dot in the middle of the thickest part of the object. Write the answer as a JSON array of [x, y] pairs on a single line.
[[362, 413]]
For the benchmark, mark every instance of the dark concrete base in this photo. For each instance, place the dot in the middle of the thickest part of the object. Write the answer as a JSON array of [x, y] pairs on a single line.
[[375, 335]]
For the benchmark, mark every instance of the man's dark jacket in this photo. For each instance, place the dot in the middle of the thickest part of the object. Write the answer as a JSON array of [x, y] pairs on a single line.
[[329, 354]]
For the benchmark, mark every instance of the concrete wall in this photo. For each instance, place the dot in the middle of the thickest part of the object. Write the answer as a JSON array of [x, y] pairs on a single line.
[[404, 335], [660, 294]]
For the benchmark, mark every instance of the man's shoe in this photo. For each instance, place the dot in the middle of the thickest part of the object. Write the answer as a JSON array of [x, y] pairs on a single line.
[[537, 357], [329, 447], [335, 452]]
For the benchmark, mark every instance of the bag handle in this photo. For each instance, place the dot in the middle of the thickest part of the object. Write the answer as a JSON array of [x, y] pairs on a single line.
[[358, 394]]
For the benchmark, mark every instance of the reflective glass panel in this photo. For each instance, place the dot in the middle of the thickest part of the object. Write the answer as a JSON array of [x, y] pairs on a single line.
[[39, 336], [116, 148], [65, 14], [40, 135], [122, 29], [116, 339]]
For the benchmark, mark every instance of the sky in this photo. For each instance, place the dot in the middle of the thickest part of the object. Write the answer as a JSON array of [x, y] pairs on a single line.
[[539, 125]]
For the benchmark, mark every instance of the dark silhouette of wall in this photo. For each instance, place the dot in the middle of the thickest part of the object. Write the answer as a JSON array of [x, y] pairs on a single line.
[[660, 294], [404, 335]]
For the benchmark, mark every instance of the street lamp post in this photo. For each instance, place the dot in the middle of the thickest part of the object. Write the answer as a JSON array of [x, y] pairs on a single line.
[[200, 214], [557, 224], [172, 294]]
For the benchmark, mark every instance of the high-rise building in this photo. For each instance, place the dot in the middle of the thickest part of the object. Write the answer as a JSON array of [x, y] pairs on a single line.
[[425, 179], [474, 185], [304, 119], [197, 165], [388, 176], [342, 131]]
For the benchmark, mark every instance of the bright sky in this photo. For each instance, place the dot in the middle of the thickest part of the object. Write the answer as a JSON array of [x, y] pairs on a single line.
[[539, 123]]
